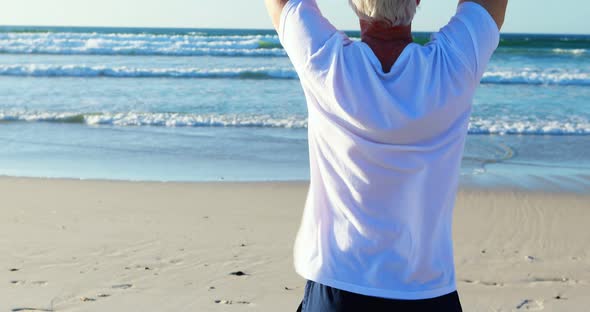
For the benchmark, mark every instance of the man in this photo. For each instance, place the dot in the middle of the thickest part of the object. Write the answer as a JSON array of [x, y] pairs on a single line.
[[388, 120]]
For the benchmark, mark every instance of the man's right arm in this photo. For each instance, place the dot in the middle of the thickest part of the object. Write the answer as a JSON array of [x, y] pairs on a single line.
[[275, 8], [496, 8], [302, 29]]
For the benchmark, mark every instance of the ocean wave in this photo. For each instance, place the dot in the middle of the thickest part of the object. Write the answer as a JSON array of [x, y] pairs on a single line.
[[567, 53], [140, 44], [571, 126], [33, 70], [179, 42], [494, 76], [570, 51], [129, 119], [545, 41], [537, 77]]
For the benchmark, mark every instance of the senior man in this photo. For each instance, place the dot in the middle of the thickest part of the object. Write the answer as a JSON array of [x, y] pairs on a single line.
[[388, 121]]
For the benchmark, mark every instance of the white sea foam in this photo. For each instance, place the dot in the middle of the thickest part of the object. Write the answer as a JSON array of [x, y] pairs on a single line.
[[190, 44], [571, 126], [537, 77], [34, 70], [157, 119], [501, 76], [574, 125], [570, 51], [140, 44], [195, 120]]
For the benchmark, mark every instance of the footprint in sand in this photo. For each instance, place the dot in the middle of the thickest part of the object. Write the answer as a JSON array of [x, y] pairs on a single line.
[[231, 302], [122, 286], [495, 284], [550, 280], [531, 305], [87, 299], [36, 283]]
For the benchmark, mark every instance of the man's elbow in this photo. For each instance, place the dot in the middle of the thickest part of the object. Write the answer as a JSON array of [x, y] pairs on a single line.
[[500, 22]]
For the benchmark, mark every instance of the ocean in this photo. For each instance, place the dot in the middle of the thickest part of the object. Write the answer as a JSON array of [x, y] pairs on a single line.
[[146, 104]]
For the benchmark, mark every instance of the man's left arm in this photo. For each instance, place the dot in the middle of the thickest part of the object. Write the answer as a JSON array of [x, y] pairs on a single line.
[[275, 8]]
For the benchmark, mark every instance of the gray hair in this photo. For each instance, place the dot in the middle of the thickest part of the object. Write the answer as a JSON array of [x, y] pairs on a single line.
[[396, 12]]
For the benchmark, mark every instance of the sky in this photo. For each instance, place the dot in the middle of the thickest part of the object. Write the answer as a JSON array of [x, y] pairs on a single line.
[[524, 16]]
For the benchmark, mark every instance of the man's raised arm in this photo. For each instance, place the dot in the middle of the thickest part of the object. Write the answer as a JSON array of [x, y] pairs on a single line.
[[496, 8], [275, 7]]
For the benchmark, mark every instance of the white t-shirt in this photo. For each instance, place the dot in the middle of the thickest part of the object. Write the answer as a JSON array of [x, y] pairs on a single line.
[[385, 152]]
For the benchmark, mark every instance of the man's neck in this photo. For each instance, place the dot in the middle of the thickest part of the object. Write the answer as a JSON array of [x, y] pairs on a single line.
[[386, 41]]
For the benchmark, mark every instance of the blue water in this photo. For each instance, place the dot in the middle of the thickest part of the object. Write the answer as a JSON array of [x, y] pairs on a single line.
[[209, 105]]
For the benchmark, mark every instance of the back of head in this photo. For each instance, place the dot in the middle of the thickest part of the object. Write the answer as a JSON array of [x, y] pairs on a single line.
[[395, 12]]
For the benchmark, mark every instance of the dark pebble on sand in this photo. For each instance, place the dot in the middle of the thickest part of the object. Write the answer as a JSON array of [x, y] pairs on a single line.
[[13, 270], [238, 273]]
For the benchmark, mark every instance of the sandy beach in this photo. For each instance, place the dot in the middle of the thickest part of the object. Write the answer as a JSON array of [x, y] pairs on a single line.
[[70, 245]]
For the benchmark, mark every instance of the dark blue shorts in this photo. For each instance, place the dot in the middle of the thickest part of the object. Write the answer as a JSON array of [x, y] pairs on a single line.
[[321, 298]]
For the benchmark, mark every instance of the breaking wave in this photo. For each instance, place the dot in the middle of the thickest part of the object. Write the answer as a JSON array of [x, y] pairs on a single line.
[[130, 72], [517, 76], [571, 126], [88, 41], [140, 44], [537, 77]]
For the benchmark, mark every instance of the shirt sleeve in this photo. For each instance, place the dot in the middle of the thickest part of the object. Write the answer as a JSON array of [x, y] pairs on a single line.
[[472, 35], [303, 31]]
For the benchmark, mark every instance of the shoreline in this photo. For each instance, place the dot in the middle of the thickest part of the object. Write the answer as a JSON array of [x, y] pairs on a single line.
[[73, 245], [548, 188]]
